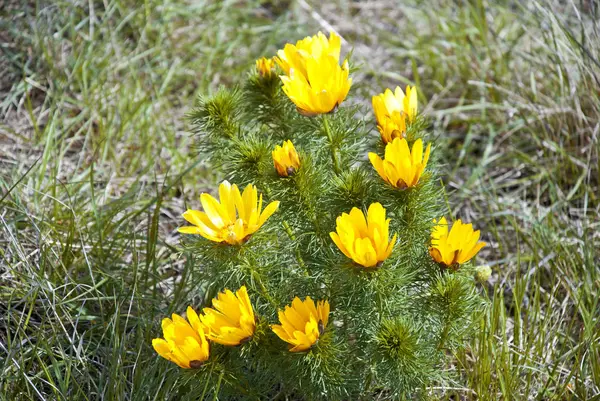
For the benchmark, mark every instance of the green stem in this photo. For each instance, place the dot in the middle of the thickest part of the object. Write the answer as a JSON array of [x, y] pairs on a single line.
[[444, 336], [256, 276], [218, 386], [289, 232], [291, 235], [334, 151]]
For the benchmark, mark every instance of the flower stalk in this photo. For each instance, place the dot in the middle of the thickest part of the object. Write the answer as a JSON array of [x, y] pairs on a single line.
[[334, 150]]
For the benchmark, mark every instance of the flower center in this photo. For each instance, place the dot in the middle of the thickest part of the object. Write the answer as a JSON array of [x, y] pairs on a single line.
[[229, 234]]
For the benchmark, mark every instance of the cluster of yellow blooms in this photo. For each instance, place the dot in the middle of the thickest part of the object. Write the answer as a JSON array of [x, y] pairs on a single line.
[[231, 322], [316, 83]]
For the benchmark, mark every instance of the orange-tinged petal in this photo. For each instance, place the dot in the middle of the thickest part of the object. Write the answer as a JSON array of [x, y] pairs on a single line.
[[468, 255], [280, 332]]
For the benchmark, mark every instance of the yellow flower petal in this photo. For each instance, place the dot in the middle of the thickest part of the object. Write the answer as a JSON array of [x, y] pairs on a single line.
[[364, 240], [285, 159], [184, 342], [314, 80], [302, 323], [231, 320], [269, 210], [455, 246], [264, 66], [232, 219], [392, 110], [401, 168]]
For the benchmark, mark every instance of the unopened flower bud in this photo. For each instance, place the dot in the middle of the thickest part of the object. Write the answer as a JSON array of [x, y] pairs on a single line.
[[264, 66], [286, 159], [483, 273]]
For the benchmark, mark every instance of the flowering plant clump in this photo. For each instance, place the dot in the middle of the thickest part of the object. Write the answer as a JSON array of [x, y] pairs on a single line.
[[348, 285]]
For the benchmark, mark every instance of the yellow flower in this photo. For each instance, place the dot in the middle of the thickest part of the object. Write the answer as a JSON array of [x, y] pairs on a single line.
[[365, 241], [184, 343], [324, 86], [456, 247], [231, 320], [314, 80], [401, 167], [219, 223], [295, 56], [286, 159], [392, 110], [302, 323], [264, 66], [392, 126]]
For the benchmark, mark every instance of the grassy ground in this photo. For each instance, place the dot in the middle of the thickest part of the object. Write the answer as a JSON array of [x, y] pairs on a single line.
[[96, 166]]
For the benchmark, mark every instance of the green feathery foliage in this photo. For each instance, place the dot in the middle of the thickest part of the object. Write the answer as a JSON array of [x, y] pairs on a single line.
[[390, 326]]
